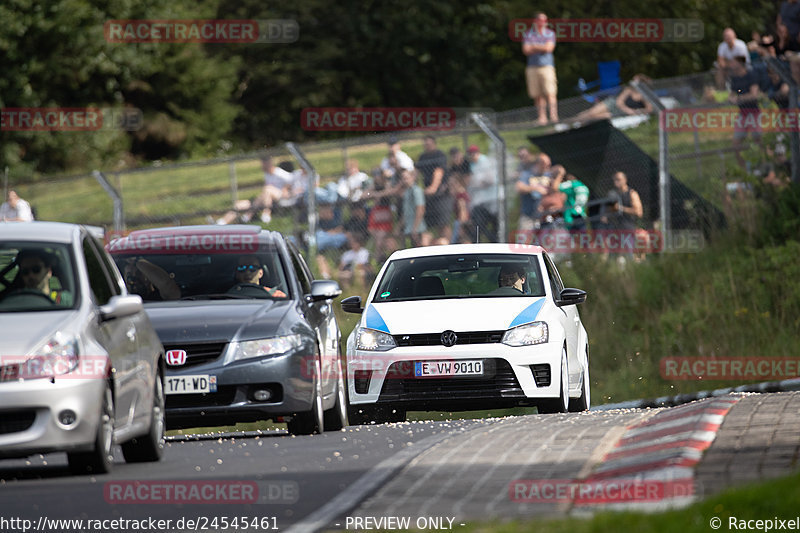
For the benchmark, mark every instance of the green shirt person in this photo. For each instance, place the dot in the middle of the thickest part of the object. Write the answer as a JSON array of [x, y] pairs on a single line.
[[575, 205]]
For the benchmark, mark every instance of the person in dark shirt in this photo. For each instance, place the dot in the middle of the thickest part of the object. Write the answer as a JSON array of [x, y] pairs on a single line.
[[744, 93], [628, 102], [432, 165]]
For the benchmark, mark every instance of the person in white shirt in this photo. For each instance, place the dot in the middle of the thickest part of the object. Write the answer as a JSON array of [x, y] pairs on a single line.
[[277, 186], [482, 191], [354, 265], [15, 209], [728, 49], [351, 185], [404, 162]]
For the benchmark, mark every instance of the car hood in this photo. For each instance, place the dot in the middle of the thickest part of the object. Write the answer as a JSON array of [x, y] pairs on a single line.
[[468, 314], [228, 320], [20, 333]]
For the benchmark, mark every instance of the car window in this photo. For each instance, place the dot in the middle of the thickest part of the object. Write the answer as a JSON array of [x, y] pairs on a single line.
[[110, 269], [101, 286], [556, 285], [300, 268], [197, 276], [458, 276], [36, 276]]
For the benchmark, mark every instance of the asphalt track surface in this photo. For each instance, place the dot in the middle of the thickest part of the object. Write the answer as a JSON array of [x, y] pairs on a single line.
[[443, 473]]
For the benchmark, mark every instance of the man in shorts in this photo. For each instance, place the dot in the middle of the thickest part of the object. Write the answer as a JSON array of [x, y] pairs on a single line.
[[540, 73]]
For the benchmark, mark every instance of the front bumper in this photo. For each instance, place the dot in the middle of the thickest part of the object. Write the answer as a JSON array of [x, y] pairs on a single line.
[[29, 412], [289, 377], [513, 376]]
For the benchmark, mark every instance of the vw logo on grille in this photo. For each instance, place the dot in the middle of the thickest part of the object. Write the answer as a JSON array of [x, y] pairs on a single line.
[[449, 338]]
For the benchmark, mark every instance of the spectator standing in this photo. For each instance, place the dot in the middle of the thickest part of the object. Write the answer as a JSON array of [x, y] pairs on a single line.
[[432, 165], [15, 209], [538, 45], [351, 185], [627, 211], [533, 179], [727, 51], [458, 180], [414, 211], [744, 93], [552, 203], [482, 192], [789, 16], [380, 222], [401, 161]]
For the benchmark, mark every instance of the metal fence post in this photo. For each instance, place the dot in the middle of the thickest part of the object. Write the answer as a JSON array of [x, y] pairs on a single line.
[[119, 215], [312, 196], [664, 200], [234, 184], [500, 148]]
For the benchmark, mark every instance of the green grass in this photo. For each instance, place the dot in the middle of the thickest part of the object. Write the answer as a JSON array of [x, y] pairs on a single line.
[[769, 500]]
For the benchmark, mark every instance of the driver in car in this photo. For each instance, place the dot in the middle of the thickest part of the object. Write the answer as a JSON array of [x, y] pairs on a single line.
[[511, 281], [249, 272], [35, 271]]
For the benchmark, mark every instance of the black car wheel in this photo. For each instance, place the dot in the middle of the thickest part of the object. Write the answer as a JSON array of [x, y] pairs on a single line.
[[311, 421], [149, 447], [336, 417], [101, 458]]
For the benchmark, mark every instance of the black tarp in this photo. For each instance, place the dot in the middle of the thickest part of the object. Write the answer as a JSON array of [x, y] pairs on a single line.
[[593, 153]]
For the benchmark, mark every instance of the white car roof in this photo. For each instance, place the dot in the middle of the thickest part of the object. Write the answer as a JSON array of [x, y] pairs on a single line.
[[456, 249], [38, 231]]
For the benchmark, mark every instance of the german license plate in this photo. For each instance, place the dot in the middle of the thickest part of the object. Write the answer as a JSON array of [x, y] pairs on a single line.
[[191, 384], [471, 367]]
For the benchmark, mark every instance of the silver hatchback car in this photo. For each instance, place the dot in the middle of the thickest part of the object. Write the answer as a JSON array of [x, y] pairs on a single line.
[[81, 367]]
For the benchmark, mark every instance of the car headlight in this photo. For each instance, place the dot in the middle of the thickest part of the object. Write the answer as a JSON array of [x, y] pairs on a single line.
[[374, 341], [527, 334], [270, 346], [56, 357]]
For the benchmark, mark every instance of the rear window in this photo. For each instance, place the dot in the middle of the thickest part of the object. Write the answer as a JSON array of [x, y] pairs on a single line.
[[459, 276]]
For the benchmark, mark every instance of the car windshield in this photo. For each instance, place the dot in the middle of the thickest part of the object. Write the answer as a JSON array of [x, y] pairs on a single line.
[[461, 276], [204, 276], [36, 276]]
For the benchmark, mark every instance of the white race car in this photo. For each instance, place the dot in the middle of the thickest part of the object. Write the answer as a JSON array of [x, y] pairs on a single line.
[[464, 327]]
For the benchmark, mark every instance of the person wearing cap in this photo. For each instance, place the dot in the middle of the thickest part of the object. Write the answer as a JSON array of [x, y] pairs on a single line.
[[482, 191]]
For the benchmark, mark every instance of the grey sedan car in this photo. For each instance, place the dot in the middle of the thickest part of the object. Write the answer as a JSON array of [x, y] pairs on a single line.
[[81, 367]]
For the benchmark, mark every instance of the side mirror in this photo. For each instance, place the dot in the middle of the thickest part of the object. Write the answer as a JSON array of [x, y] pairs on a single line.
[[352, 304], [121, 306], [324, 289], [570, 296]]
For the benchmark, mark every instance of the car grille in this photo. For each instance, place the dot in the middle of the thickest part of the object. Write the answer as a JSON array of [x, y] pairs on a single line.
[[197, 354], [224, 396], [16, 421], [498, 383], [541, 374], [435, 339]]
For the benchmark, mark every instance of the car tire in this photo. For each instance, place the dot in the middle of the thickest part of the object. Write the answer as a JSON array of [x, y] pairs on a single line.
[[100, 459], [312, 421], [576, 405], [560, 404], [336, 417], [149, 447]]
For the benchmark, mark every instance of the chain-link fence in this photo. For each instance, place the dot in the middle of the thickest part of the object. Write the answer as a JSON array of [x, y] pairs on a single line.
[[385, 191]]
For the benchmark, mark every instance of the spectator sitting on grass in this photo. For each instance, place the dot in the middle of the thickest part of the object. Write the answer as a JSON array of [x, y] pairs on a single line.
[[351, 186], [354, 265], [277, 187]]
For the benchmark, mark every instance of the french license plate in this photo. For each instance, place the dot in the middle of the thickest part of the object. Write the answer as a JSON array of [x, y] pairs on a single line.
[[471, 367], [191, 384]]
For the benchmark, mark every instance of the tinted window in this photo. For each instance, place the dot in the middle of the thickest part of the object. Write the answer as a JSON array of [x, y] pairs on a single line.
[[301, 270], [556, 285], [458, 276], [36, 276], [102, 290]]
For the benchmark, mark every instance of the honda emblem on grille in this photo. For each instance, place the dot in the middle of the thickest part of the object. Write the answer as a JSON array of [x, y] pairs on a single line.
[[176, 357], [449, 338]]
